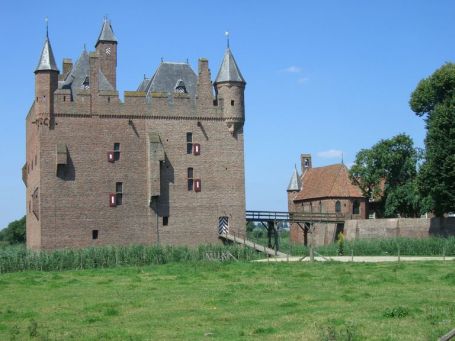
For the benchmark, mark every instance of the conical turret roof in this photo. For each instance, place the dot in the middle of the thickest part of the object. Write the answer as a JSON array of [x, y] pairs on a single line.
[[294, 184], [107, 33], [46, 60], [229, 71]]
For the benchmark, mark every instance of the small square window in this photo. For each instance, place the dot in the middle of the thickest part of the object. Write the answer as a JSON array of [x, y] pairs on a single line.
[[165, 221], [94, 234], [232, 102]]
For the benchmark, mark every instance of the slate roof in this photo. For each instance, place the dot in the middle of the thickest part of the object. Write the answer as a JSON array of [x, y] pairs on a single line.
[[80, 73], [168, 76], [107, 33], [294, 183], [327, 182], [46, 60], [229, 71]]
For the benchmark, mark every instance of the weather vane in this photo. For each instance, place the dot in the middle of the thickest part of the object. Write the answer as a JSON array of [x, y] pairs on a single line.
[[46, 20], [227, 38]]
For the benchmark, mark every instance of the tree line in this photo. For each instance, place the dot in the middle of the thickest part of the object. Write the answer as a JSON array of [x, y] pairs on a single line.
[[404, 180]]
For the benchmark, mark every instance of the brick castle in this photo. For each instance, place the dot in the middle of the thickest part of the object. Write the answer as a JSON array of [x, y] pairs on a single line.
[[166, 165]]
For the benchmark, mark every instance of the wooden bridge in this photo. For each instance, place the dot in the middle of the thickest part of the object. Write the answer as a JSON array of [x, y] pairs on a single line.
[[294, 217], [270, 220]]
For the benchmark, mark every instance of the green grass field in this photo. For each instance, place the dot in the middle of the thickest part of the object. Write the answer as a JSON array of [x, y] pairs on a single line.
[[231, 301]]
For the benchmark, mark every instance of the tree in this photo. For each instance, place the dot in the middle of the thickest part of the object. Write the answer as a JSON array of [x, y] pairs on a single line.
[[434, 99], [387, 174], [14, 233]]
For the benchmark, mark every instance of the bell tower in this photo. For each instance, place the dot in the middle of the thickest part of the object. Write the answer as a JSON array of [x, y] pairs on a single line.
[[230, 88], [106, 48]]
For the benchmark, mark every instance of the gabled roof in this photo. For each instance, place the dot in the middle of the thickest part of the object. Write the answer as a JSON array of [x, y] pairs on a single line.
[[229, 71], [167, 77], [294, 183], [80, 72], [46, 60], [107, 33], [327, 182]]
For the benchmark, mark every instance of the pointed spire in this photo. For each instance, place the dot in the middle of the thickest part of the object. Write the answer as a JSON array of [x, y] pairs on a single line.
[[227, 38], [295, 184], [229, 71], [46, 60], [107, 33]]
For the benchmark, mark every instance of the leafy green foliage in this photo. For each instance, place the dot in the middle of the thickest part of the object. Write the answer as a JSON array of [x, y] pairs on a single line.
[[14, 233], [387, 173], [434, 98]]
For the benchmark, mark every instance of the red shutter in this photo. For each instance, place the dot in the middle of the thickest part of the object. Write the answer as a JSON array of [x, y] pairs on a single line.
[[112, 200], [197, 185], [110, 156], [196, 149]]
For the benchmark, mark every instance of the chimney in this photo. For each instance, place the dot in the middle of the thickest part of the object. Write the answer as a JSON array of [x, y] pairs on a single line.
[[204, 84], [67, 66]]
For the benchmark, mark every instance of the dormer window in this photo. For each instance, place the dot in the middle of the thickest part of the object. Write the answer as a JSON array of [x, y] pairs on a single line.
[[306, 163], [86, 83], [180, 87]]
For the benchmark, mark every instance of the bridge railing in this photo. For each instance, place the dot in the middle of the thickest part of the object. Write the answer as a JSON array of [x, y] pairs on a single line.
[[293, 216]]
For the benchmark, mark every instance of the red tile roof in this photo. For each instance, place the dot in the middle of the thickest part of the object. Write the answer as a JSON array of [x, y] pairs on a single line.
[[327, 182]]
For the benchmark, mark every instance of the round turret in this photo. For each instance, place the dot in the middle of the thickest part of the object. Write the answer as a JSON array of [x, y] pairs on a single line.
[[230, 88]]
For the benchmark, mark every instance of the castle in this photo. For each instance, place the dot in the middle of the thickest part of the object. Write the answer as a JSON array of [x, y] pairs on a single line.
[[166, 165]]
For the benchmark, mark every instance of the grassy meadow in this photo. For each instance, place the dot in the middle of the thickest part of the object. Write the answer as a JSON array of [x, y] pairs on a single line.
[[200, 300]]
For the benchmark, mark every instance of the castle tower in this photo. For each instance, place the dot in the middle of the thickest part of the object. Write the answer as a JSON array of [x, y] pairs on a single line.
[[230, 88], [106, 47], [46, 82]]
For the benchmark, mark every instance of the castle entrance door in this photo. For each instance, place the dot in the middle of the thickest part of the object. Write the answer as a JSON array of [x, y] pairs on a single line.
[[223, 225]]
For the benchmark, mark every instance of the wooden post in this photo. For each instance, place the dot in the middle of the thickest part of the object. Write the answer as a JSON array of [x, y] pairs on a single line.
[[352, 255], [448, 336], [311, 253], [275, 233]]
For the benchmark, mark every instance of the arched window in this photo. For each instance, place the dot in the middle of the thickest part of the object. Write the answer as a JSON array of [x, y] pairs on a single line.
[[356, 207], [338, 206]]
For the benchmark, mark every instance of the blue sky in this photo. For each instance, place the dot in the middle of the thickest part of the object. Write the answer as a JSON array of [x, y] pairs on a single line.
[[323, 77]]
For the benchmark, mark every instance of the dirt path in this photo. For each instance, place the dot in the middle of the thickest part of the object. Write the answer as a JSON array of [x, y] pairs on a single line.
[[358, 259]]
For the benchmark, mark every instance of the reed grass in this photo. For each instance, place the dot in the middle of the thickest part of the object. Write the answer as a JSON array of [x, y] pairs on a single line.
[[18, 258]]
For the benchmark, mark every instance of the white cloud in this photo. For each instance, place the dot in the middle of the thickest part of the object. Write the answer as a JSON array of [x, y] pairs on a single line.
[[293, 69], [330, 154]]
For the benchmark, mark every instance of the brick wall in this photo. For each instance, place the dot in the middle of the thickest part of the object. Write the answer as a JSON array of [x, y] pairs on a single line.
[[399, 227]]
